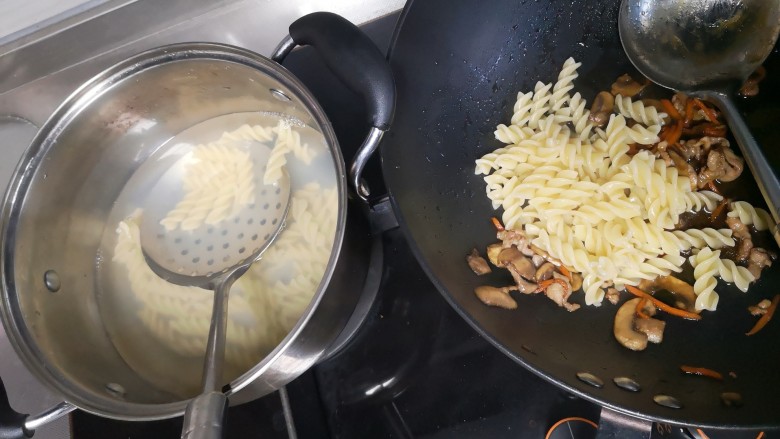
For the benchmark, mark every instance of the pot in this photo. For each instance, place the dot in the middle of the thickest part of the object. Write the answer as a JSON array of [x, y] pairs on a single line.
[[76, 313]]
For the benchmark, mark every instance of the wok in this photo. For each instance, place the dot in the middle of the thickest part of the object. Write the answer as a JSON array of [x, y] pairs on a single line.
[[458, 67]]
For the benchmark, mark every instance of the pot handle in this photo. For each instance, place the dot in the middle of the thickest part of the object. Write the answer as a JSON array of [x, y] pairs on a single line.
[[357, 62], [15, 425]]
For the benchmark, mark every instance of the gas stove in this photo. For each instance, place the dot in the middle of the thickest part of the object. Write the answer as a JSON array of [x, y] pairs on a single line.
[[413, 368]]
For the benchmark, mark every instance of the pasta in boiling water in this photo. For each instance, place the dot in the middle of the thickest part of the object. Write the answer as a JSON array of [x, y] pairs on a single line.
[[269, 299], [218, 183]]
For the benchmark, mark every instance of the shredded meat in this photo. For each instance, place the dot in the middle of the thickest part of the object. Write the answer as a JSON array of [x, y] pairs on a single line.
[[560, 294], [758, 259], [684, 168], [715, 168], [679, 100], [512, 237], [739, 229], [613, 295], [708, 129], [743, 249], [722, 164], [697, 149], [661, 151], [761, 308], [742, 233]]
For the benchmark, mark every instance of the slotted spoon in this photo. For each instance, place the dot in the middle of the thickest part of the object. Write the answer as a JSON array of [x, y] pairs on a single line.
[[211, 255]]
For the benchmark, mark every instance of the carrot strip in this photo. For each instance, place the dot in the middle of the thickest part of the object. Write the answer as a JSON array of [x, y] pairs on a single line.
[[708, 113], [713, 188], [688, 112], [664, 307], [497, 224], [543, 285], [701, 433], [670, 110], [573, 418], [675, 133], [766, 317], [664, 133], [702, 371], [718, 210], [565, 271], [760, 435], [640, 308]]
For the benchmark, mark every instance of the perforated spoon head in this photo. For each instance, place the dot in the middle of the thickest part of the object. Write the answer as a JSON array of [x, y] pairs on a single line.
[[196, 248]]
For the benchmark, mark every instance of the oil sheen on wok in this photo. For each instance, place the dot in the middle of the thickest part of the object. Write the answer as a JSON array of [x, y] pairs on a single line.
[[160, 329]]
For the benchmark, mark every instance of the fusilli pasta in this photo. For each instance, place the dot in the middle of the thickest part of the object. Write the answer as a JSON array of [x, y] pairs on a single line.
[[580, 197]]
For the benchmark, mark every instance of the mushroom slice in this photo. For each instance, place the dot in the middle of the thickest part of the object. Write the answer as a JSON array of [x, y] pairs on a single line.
[[492, 252], [544, 272], [652, 328], [626, 85], [494, 296], [685, 297], [516, 262], [602, 108], [477, 263], [623, 327]]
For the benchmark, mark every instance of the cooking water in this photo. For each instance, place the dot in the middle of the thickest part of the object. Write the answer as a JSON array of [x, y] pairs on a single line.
[[161, 330]]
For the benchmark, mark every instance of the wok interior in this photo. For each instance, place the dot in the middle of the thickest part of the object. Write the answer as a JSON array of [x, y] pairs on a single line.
[[89, 156], [475, 60]]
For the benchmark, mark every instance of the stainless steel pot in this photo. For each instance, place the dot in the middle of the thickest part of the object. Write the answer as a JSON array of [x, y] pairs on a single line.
[[58, 203]]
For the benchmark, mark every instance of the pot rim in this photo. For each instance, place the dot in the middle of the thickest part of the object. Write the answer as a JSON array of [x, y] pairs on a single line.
[[10, 312]]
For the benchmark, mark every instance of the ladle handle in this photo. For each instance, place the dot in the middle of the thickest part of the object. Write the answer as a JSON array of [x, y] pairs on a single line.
[[762, 171], [205, 415], [360, 65]]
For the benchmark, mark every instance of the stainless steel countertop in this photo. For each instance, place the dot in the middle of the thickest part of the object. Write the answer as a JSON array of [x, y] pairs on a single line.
[[39, 70]]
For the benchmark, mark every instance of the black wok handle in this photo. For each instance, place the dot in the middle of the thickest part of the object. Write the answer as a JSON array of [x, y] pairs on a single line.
[[11, 422], [357, 62]]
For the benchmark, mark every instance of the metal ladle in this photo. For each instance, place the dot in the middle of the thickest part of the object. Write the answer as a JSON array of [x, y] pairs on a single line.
[[707, 49], [211, 256]]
